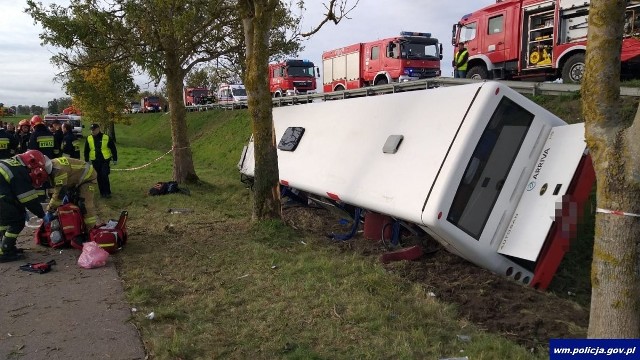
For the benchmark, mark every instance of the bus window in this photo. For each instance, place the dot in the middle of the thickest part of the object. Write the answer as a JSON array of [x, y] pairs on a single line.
[[489, 167]]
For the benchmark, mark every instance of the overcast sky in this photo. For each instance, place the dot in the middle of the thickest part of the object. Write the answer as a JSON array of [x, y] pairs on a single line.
[[26, 74]]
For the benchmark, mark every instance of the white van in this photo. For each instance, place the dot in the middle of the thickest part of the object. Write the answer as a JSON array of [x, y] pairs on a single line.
[[232, 95], [74, 120]]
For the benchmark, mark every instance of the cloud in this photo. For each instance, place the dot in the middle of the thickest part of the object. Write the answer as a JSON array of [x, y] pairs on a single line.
[[26, 73]]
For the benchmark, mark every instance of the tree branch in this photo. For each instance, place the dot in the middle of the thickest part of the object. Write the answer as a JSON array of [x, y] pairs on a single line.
[[332, 15]]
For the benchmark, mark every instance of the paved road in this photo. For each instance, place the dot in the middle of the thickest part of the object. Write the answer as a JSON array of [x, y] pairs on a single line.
[[68, 313]]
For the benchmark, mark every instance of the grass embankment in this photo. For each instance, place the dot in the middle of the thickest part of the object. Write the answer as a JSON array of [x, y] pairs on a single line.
[[221, 287]]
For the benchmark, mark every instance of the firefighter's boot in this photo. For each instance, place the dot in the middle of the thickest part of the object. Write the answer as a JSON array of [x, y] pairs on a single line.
[[8, 250]]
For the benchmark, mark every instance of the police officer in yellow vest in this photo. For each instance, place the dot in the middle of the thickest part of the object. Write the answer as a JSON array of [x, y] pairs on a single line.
[[460, 62], [100, 150]]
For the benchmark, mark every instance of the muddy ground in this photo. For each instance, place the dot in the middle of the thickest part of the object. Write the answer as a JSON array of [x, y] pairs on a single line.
[[493, 303]]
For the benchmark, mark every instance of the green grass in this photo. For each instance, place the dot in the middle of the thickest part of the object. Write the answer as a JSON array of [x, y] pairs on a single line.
[[224, 287]]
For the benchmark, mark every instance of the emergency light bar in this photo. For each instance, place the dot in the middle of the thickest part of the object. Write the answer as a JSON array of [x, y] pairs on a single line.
[[413, 33]]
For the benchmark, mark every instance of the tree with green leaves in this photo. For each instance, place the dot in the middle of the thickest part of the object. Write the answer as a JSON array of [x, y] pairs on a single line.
[[56, 106], [614, 146], [257, 19], [101, 92], [165, 38]]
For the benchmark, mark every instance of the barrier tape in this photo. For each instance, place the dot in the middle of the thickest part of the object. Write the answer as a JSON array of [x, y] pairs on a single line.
[[616, 212], [149, 163]]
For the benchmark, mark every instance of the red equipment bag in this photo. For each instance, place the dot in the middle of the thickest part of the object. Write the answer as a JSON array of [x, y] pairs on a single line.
[[67, 228], [111, 236]]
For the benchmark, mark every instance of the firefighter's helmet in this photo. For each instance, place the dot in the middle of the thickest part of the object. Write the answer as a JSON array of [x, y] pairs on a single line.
[[23, 122], [36, 120], [39, 166]]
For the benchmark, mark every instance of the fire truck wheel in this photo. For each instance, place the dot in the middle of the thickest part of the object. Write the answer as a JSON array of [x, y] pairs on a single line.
[[382, 81], [477, 72], [339, 88], [573, 69]]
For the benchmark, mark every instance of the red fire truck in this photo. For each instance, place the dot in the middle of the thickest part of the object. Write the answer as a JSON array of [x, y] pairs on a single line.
[[292, 77], [150, 104], [540, 39], [410, 56], [195, 96]]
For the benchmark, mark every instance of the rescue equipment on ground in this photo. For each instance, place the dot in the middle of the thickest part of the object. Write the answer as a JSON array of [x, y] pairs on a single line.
[[111, 236], [66, 229], [39, 268], [168, 187]]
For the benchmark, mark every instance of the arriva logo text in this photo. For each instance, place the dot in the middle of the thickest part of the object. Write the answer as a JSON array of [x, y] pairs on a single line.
[[540, 163]]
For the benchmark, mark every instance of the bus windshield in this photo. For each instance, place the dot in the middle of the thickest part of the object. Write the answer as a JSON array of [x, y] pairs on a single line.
[[489, 167]]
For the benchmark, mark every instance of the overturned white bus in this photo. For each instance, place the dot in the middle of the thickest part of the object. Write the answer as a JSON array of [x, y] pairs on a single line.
[[493, 177]]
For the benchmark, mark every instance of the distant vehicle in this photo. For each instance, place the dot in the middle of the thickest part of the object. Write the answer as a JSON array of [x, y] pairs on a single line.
[[71, 110], [538, 39], [410, 56], [150, 104], [74, 120], [292, 77], [232, 95], [135, 108], [195, 96]]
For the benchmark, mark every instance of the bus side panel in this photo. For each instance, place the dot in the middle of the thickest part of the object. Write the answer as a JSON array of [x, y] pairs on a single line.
[[341, 151]]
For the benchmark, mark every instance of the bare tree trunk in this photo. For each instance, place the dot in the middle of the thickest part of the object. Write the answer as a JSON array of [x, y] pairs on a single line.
[[615, 298], [183, 169], [257, 18]]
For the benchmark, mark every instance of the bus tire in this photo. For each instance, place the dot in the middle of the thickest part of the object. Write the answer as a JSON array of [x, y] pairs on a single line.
[[573, 69], [478, 72]]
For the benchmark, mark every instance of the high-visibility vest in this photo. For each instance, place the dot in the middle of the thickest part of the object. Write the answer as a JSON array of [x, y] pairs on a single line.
[[106, 152], [459, 56]]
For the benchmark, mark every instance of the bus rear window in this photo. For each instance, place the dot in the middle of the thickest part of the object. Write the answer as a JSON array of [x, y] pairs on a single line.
[[489, 167]]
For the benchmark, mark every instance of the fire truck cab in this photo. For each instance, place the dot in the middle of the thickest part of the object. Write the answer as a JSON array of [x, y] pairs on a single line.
[[292, 77], [410, 56], [539, 39], [195, 96]]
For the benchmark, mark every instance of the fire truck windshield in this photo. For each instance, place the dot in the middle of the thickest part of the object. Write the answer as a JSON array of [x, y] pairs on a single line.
[[419, 51], [302, 71]]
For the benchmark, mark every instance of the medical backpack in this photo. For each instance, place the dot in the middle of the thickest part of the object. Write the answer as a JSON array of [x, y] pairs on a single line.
[[66, 229], [111, 236]]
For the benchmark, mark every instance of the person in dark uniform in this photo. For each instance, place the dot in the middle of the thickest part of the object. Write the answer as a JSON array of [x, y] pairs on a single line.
[[100, 150], [58, 135], [70, 142], [20, 176], [23, 134], [41, 138], [8, 144]]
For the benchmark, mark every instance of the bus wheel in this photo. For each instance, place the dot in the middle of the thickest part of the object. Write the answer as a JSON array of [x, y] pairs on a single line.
[[477, 72], [573, 69]]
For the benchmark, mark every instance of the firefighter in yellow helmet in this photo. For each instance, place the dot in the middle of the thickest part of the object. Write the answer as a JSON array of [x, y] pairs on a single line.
[[70, 175]]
